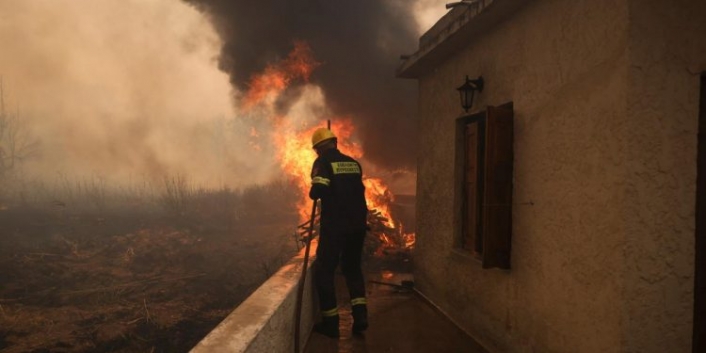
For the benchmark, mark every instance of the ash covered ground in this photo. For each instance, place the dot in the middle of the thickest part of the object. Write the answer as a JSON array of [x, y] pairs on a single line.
[[87, 268], [94, 272]]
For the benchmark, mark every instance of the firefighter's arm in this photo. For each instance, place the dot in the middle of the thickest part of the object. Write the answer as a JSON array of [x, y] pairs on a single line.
[[320, 181]]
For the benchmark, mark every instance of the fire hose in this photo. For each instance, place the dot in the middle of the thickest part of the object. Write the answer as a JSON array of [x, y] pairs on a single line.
[[302, 280]]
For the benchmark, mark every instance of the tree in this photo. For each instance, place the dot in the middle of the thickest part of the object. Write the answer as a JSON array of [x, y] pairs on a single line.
[[16, 143]]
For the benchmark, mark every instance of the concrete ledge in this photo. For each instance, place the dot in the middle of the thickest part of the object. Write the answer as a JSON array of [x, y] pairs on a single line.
[[264, 322]]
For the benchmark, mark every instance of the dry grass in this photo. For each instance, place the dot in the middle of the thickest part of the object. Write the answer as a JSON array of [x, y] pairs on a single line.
[[88, 266]]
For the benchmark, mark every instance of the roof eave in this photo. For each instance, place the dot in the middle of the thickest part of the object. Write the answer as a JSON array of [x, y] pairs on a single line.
[[458, 26]]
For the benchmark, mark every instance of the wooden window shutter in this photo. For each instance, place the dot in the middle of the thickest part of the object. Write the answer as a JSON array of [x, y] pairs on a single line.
[[497, 193]]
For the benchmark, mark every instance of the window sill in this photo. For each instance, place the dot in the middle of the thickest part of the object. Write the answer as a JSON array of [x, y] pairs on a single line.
[[466, 256]]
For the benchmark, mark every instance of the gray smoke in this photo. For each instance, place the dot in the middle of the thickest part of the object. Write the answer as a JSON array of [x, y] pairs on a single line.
[[125, 90], [358, 43]]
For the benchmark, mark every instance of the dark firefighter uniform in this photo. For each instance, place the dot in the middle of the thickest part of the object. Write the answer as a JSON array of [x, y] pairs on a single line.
[[337, 181]]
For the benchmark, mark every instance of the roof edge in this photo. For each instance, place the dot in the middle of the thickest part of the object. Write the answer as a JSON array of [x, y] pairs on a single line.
[[459, 25]]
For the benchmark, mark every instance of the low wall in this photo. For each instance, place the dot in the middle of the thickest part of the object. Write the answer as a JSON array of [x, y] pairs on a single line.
[[264, 322]]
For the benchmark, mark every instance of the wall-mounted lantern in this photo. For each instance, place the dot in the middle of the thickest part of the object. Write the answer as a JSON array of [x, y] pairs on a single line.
[[467, 91]]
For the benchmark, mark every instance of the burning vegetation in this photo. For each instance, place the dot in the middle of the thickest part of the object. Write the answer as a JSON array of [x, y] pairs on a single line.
[[296, 155], [87, 265], [142, 226]]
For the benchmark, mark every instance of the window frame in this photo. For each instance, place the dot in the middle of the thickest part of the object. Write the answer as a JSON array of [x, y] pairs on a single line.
[[475, 247], [494, 186]]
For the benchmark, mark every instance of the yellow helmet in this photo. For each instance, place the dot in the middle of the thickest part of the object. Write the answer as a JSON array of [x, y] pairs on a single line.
[[321, 135]]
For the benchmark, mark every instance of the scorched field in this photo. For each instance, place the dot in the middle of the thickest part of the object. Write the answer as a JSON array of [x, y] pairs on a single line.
[[88, 268]]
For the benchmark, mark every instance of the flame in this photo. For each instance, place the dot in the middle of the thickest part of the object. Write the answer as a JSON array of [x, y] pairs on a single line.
[[297, 156], [292, 142], [299, 64], [379, 198]]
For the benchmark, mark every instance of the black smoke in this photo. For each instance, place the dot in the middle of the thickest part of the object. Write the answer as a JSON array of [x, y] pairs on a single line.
[[358, 43]]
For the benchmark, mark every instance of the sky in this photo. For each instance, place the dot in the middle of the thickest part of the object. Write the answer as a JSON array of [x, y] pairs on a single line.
[[130, 89]]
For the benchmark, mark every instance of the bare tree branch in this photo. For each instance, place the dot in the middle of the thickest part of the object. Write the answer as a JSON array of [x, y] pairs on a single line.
[[16, 142]]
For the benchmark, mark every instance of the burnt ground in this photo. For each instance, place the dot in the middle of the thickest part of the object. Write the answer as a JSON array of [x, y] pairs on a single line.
[[87, 270], [129, 280]]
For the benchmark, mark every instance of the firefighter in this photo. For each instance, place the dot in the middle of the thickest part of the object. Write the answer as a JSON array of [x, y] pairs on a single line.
[[337, 182]]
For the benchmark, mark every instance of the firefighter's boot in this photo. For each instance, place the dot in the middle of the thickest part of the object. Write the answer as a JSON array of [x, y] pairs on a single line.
[[360, 318], [328, 326]]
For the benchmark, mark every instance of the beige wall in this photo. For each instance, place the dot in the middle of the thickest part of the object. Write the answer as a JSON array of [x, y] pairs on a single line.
[[667, 57], [603, 259]]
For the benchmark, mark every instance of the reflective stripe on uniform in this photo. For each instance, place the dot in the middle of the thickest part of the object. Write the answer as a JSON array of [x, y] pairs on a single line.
[[345, 168], [321, 180], [332, 312], [358, 301]]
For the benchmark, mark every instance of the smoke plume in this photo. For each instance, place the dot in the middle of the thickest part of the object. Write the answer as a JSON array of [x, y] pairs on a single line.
[[357, 43], [122, 89], [148, 89]]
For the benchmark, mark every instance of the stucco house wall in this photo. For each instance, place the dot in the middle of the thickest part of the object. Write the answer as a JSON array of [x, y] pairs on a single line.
[[604, 177], [667, 49]]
